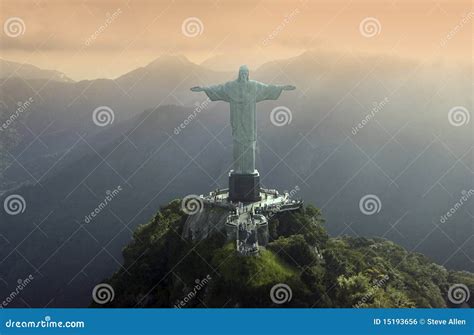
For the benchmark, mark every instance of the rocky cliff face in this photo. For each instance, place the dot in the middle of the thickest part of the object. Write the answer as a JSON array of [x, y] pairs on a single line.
[[208, 221]]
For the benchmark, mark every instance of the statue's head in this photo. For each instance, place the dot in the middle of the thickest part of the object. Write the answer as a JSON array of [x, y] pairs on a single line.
[[243, 73]]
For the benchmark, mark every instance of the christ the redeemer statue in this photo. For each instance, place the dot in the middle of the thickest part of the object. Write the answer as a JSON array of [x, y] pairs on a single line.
[[242, 94]]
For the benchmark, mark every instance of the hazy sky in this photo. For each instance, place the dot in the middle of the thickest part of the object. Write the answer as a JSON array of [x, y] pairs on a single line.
[[106, 38]]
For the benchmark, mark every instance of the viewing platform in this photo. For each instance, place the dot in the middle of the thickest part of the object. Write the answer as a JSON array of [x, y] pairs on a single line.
[[247, 222]]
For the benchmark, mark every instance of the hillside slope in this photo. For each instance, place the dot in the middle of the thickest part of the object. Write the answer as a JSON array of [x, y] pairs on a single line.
[[301, 267]]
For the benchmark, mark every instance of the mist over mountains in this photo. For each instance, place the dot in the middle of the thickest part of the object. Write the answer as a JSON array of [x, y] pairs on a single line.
[[63, 164], [27, 71]]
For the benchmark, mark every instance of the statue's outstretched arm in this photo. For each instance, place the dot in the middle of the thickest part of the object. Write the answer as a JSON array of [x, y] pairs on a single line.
[[215, 92], [270, 91]]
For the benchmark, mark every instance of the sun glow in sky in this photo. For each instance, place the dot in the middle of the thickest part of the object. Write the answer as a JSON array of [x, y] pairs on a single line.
[[88, 39]]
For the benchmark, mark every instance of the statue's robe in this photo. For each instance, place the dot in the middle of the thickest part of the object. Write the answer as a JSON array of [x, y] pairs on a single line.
[[242, 95]]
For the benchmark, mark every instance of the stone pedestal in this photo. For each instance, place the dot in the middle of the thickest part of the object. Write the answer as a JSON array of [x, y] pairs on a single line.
[[244, 187]]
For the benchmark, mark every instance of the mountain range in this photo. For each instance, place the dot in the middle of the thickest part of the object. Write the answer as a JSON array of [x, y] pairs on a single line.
[[62, 163]]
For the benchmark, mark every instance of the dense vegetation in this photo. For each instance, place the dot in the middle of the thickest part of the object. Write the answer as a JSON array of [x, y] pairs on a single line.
[[163, 270]]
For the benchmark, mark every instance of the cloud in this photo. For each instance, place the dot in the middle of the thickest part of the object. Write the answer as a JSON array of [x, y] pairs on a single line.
[[57, 31]]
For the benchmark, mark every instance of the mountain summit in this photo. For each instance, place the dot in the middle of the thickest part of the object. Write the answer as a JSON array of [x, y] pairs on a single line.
[[300, 267], [25, 71]]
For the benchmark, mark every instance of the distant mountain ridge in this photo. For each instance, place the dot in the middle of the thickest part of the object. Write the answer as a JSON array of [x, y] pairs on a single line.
[[76, 161], [30, 72]]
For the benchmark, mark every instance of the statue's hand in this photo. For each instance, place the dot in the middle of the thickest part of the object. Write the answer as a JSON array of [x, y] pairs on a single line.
[[289, 87], [197, 89]]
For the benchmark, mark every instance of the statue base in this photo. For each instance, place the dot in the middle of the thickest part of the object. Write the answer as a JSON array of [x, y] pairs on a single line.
[[244, 187]]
